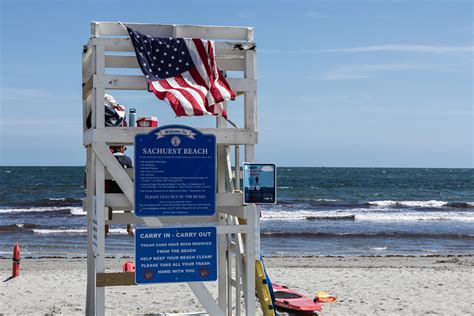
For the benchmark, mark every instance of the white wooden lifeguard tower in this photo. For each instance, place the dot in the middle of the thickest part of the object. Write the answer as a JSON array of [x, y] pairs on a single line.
[[237, 224]]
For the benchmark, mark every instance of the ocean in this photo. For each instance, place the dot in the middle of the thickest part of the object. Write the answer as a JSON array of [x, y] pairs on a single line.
[[320, 212]]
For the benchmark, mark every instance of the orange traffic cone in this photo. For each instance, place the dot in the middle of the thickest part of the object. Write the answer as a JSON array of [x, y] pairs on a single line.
[[16, 261]]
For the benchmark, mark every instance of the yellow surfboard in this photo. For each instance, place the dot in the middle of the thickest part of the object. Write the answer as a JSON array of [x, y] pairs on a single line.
[[263, 292]]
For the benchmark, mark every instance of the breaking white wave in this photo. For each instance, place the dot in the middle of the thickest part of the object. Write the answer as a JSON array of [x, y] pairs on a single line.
[[76, 231], [417, 216], [390, 203], [366, 215], [78, 211], [379, 248], [74, 210]]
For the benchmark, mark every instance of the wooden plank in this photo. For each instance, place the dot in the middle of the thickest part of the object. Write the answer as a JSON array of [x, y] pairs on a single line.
[[126, 136], [90, 291], [98, 105], [115, 169], [223, 49], [115, 279], [250, 257], [87, 88], [127, 82], [87, 69], [250, 103], [128, 171], [121, 61], [130, 218], [167, 30], [223, 200], [202, 293], [100, 253]]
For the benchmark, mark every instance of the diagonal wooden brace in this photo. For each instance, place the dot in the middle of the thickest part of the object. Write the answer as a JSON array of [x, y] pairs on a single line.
[[116, 170]]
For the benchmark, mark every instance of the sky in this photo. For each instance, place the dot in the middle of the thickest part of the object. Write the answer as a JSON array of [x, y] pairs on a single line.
[[340, 83]]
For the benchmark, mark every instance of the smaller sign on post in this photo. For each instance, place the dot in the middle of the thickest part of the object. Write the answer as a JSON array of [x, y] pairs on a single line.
[[187, 254], [259, 183]]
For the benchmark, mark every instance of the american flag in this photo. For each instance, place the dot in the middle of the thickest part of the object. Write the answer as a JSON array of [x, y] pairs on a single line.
[[183, 72]]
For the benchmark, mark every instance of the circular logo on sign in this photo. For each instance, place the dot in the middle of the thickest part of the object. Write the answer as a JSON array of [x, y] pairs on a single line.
[[175, 141], [203, 272], [148, 274]]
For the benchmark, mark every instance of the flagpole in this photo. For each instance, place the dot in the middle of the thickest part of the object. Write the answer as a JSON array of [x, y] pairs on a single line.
[[122, 24], [230, 122]]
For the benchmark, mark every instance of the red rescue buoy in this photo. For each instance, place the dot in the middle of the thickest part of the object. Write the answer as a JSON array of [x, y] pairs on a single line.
[[16, 261], [128, 267]]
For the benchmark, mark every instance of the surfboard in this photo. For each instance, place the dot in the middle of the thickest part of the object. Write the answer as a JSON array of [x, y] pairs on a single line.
[[294, 303]]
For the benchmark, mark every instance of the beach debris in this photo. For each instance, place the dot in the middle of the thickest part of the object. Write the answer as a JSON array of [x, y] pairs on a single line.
[[16, 261], [324, 297], [128, 266]]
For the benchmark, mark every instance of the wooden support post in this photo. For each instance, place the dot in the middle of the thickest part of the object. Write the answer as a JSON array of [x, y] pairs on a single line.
[[100, 253], [221, 239], [229, 270], [90, 182], [237, 167], [250, 102], [250, 263]]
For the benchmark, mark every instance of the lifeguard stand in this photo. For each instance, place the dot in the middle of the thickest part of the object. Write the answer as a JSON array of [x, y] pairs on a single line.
[[237, 224]]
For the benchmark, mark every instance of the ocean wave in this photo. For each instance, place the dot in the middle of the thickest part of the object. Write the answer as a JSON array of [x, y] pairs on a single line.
[[16, 227], [394, 234], [56, 201], [387, 204], [391, 203], [76, 231], [331, 218], [365, 215], [65, 210], [417, 216]]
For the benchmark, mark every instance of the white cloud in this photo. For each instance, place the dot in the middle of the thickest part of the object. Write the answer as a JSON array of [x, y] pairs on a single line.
[[354, 72], [402, 48]]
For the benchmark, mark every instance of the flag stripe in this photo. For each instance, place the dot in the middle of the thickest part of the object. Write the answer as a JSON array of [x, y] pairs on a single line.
[[190, 94], [174, 96], [200, 81], [168, 96], [195, 91]]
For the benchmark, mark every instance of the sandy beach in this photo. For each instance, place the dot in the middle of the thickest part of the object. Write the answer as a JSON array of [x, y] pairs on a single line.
[[363, 285]]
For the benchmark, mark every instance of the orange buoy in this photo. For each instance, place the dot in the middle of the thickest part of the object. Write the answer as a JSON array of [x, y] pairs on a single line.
[[16, 261], [128, 267]]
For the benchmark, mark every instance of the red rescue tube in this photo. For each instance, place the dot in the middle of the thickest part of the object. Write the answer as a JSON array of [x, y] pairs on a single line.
[[16, 261]]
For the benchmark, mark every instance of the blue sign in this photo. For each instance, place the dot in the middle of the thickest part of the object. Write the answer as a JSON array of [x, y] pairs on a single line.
[[175, 172], [259, 182], [165, 255]]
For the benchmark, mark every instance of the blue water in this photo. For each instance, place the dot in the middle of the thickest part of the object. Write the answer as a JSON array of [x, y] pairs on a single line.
[[320, 211]]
